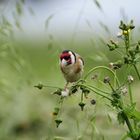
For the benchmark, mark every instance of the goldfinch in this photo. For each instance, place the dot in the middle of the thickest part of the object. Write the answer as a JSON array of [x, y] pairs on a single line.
[[71, 65]]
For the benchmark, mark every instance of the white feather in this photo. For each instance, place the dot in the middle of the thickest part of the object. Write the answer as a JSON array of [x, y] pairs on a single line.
[[72, 57]]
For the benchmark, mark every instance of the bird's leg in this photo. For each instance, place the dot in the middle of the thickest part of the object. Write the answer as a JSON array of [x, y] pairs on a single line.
[[66, 86]]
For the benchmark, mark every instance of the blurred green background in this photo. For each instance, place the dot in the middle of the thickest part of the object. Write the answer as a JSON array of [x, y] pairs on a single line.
[[30, 44]]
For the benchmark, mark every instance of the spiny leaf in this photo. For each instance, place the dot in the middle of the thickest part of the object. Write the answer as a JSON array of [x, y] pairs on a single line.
[[134, 114], [130, 109]]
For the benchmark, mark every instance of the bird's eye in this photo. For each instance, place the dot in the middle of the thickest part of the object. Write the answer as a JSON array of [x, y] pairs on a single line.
[[67, 57]]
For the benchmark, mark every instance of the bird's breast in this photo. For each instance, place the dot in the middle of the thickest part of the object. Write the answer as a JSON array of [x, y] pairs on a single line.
[[72, 73]]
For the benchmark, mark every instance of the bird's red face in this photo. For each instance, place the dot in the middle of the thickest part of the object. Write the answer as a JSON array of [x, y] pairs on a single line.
[[65, 56]]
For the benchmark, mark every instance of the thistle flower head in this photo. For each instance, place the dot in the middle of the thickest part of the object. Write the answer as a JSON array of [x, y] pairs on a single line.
[[106, 79]]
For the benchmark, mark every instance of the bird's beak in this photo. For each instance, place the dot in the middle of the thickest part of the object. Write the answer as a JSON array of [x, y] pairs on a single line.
[[64, 62]]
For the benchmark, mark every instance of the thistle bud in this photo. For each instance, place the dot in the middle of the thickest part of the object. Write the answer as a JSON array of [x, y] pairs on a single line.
[[131, 25], [56, 110], [106, 79], [117, 64], [58, 92], [111, 47], [73, 89], [58, 122], [81, 104], [121, 25], [130, 79], [93, 101], [95, 76], [39, 86], [124, 90]]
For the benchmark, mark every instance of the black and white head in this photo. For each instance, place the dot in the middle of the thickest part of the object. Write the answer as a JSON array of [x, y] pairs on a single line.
[[67, 58]]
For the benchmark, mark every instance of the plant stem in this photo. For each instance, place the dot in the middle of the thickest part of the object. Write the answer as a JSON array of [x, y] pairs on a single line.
[[136, 69], [128, 124], [50, 86], [127, 42], [82, 96], [99, 89], [111, 86], [102, 67], [130, 94], [96, 92], [60, 106]]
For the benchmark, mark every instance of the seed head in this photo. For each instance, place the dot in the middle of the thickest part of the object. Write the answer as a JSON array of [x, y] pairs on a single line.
[[93, 101], [39, 86], [81, 104], [124, 90], [130, 79], [106, 79], [58, 122], [95, 76]]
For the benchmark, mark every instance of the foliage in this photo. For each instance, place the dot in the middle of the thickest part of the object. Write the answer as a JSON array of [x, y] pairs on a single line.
[[127, 113]]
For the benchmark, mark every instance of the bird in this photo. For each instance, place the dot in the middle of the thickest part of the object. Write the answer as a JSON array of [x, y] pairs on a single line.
[[71, 65]]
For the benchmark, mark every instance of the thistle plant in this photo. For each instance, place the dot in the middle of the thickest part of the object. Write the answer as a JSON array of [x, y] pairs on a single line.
[[127, 114]]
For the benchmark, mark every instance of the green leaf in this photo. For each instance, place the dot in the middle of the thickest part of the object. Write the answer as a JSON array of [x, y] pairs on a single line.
[[130, 109], [136, 114]]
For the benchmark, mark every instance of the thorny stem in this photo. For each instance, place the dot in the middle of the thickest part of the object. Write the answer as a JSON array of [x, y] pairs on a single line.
[[102, 67]]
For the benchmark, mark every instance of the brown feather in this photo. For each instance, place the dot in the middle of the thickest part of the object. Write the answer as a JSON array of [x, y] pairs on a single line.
[[78, 67]]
